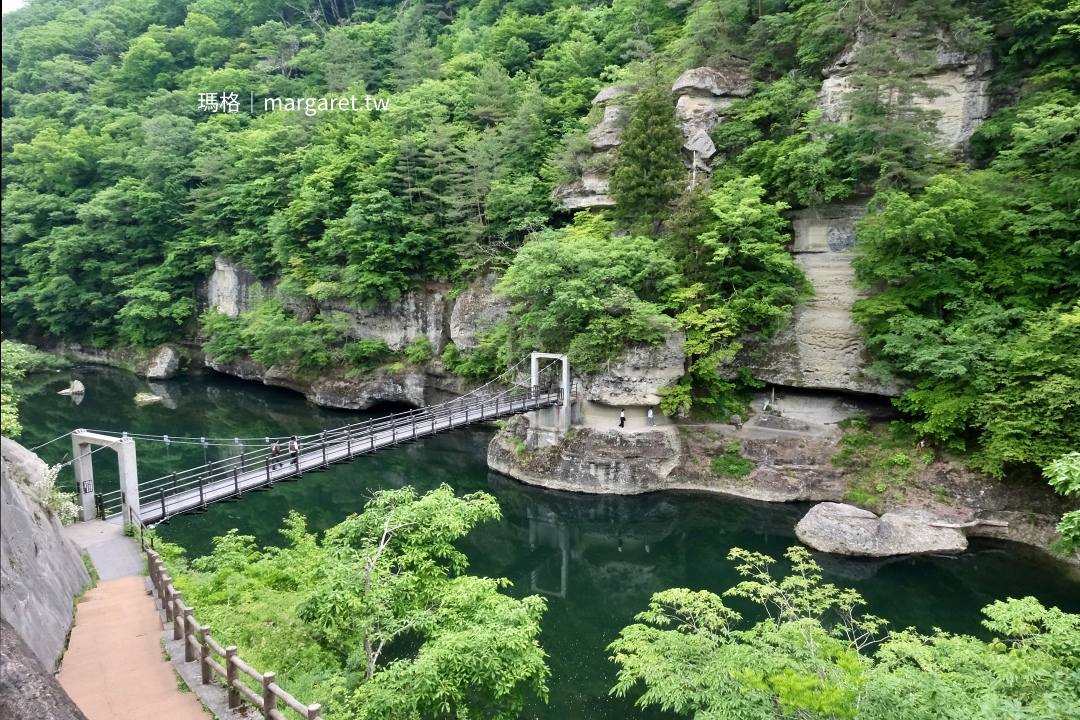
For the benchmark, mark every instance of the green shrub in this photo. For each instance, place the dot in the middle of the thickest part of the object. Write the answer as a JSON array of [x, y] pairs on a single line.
[[731, 466], [418, 351]]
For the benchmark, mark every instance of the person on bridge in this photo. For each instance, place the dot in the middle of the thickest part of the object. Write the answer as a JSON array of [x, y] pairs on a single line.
[[294, 450], [622, 418], [275, 455]]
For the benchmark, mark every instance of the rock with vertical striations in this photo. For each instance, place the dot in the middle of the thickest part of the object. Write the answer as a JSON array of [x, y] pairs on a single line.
[[41, 571]]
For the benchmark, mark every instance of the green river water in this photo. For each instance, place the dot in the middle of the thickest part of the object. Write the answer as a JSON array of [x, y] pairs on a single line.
[[597, 559]]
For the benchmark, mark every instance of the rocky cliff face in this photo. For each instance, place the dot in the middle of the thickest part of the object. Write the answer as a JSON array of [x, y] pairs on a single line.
[[229, 288], [41, 571], [27, 688], [428, 312], [959, 84], [703, 95], [792, 461], [821, 346]]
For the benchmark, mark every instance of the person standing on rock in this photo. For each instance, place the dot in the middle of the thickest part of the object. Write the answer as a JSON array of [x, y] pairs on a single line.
[[622, 418], [649, 418]]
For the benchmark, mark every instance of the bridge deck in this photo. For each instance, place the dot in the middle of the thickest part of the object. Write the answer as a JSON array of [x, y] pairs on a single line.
[[160, 502]]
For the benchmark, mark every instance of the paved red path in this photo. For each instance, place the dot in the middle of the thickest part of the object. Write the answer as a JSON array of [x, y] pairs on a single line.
[[114, 667]]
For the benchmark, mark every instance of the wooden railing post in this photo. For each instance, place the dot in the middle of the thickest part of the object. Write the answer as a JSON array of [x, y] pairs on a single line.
[[230, 676], [177, 621], [167, 596], [204, 655], [269, 699], [189, 623], [314, 712]]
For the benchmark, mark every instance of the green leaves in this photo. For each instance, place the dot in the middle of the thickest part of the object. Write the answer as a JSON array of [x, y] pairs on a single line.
[[648, 173], [1064, 476], [979, 306], [378, 620], [805, 660], [582, 291]]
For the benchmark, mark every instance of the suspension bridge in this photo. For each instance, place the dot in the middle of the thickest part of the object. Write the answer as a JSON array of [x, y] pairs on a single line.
[[157, 500]]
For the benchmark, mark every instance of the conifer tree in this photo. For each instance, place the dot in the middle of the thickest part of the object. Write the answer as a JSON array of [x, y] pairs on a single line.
[[649, 171]]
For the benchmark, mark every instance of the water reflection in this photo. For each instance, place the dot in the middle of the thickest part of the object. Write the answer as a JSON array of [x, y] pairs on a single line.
[[597, 560]]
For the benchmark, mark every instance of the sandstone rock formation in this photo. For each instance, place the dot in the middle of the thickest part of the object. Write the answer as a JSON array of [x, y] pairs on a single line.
[[27, 688], [475, 310], [427, 312], [418, 313], [592, 461], [229, 287], [77, 388], [41, 571], [704, 95], [821, 346], [163, 364], [847, 530], [636, 376], [589, 191], [960, 84], [608, 134]]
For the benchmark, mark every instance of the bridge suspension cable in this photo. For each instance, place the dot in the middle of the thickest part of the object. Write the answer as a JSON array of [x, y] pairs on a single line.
[[246, 470]]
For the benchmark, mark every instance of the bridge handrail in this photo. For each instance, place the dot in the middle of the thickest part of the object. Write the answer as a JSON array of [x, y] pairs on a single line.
[[217, 469], [197, 640], [408, 425]]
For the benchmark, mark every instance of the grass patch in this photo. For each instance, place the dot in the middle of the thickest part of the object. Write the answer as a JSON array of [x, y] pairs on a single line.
[[881, 461], [94, 577], [731, 464], [180, 684]]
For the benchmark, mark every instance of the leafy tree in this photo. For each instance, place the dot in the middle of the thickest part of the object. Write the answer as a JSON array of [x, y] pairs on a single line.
[[379, 619], [739, 280], [807, 657], [17, 361], [648, 172], [1064, 476], [979, 308], [580, 292]]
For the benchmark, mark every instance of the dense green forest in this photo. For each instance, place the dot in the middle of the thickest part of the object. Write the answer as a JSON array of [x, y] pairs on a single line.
[[120, 185]]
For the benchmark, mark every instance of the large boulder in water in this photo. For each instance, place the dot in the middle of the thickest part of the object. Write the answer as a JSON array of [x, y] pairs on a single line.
[[848, 530], [77, 388], [164, 364]]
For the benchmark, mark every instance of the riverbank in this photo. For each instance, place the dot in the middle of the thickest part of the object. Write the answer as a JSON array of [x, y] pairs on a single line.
[[781, 459], [788, 455]]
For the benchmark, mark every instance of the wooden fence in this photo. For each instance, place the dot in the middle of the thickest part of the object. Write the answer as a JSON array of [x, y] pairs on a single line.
[[217, 660]]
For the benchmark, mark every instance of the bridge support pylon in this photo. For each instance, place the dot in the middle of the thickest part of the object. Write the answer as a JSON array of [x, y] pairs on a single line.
[[82, 442], [548, 426]]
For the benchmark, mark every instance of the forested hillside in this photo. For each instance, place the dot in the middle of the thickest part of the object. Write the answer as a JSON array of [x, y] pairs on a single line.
[[121, 183]]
